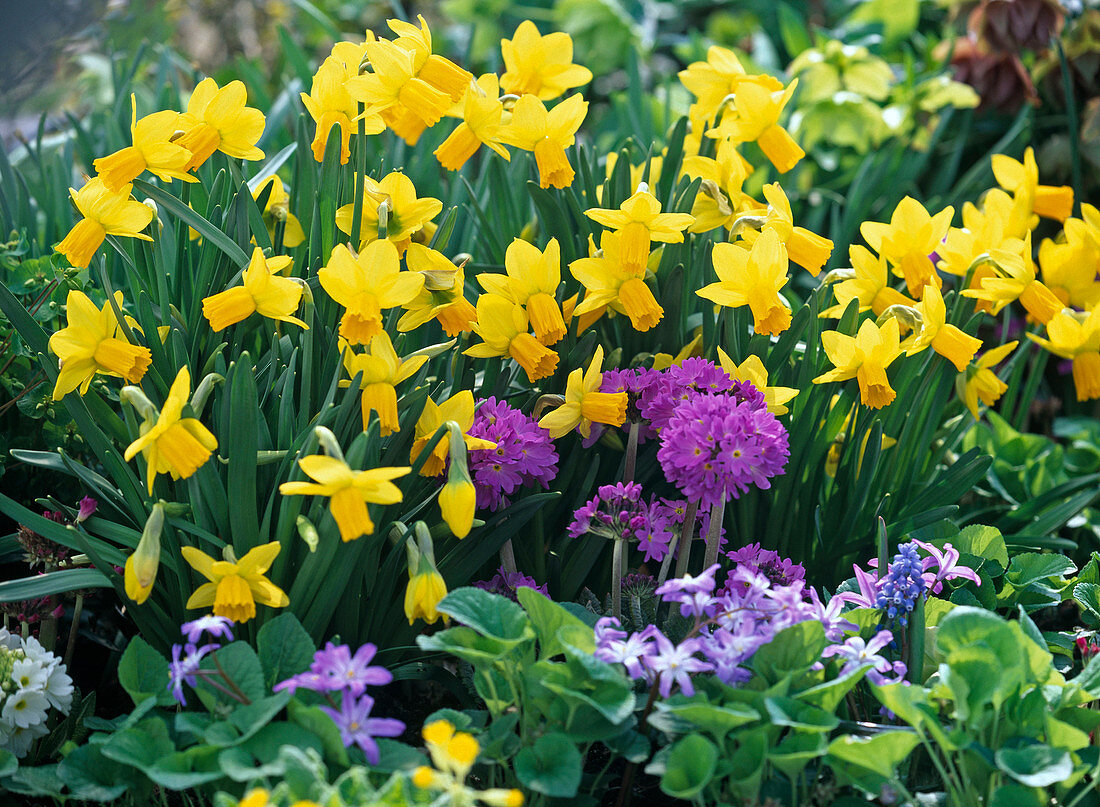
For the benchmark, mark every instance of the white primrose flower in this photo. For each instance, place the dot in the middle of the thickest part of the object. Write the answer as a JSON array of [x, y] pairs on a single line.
[[26, 707], [29, 674]]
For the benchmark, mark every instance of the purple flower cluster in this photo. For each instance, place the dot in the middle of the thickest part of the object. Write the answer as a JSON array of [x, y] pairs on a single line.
[[524, 455], [618, 512], [781, 571], [187, 657], [908, 578], [729, 626], [664, 392], [506, 583], [715, 446], [336, 670]]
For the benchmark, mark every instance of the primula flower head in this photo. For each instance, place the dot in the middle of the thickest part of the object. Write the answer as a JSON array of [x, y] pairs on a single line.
[[524, 454], [235, 587], [93, 342], [713, 448]]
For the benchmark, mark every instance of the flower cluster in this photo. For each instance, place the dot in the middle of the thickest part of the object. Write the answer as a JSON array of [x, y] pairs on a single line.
[[336, 670], [908, 578], [32, 682], [506, 584], [730, 624], [715, 447], [524, 455]]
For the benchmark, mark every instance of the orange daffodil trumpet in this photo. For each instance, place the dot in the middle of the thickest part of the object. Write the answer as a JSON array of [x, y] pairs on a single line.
[[753, 278], [585, 404], [864, 357], [261, 291], [91, 343], [349, 491], [235, 587], [170, 442], [757, 105]]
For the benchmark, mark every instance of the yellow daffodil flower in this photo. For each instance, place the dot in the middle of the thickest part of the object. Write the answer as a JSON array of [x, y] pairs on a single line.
[[365, 284], [954, 344], [174, 444], [394, 198], [1069, 264], [868, 281], [92, 342], [235, 587], [752, 370], [713, 81], [218, 120], [1016, 280], [908, 240], [720, 199], [1021, 179], [864, 357], [757, 105], [978, 381], [532, 280], [985, 228], [152, 150], [261, 290], [547, 134], [807, 249], [278, 209], [330, 104], [382, 371], [453, 755], [459, 408], [612, 284], [442, 297], [140, 571], [482, 123], [348, 490], [753, 279], [1076, 336], [584, 403], [639, 221], [538, 65], [105, 213], [502, 325]]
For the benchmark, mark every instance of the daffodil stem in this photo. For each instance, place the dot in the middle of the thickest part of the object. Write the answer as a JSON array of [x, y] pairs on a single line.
[[617, 579], [70, 645], [686, 537], [631, 453], [714, 530], [236, 690], [361, 163], [508, 557]]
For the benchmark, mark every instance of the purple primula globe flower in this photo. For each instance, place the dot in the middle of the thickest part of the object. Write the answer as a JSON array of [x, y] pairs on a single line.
[[357, 727], [713, 448], [219, 627], [524, 456], [506, 584], [86, 508]]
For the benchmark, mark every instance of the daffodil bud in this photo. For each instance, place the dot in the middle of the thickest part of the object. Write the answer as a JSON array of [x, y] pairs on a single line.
[[904, 314], [426, 587], [202, 392], [307, 532], [141, 567], [329, 443], [458, 496], [137, 399], [384, 219]]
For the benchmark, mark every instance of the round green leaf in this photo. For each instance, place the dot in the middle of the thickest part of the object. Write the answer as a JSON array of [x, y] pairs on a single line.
[[552, 766], [690, 766]]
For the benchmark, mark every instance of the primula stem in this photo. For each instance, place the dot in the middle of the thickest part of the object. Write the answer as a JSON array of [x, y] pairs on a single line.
[[508, 557], [617, 579], [714, 530], [686, 537], [631, 452], [628, 774]]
